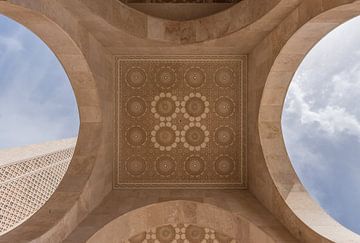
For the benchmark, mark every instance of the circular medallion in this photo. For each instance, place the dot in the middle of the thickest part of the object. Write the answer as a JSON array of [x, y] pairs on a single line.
[[224, 107], [165, 165], [136, 136], [195, 136], [136, 106], [136, 77], [135, 166], [165, 106], [195, 77], [224, 77], [224, 165], [195, 107], [165, 136], [194, 165], [166, 77], [224, 136], [195, 233]]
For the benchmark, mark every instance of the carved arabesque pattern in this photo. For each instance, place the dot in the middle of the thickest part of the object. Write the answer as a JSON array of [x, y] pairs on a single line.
[[190, 111]]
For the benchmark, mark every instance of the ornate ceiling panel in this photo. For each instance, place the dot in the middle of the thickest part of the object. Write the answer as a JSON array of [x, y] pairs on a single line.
[[182, 233], [180, 122]]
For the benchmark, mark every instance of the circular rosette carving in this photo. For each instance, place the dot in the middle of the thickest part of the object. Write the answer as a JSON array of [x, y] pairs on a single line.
[[136, 77], [224, 77], [165, 136], [165, 78], [194, 166], [195, 107], [210, 235], [135, 166], [165, 165], [165, 106], [195, 77], [224, 136], [195, 136], [224, 107], [135, 136], [224, 165], [136, 106], [195, 234]]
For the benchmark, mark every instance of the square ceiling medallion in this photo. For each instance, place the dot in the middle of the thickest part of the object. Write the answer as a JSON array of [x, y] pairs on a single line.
[[180, 122]]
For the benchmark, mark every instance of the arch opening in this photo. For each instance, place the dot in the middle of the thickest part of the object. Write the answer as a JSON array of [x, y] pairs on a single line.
[[320, 123], [287, 183], [39, 123], [84, 155]]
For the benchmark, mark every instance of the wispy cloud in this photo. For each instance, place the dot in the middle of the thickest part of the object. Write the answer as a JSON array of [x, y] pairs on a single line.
[[321, 123], [36, 100], [10, 44]]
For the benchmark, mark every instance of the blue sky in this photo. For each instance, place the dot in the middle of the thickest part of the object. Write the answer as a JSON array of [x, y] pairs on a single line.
[[37, 103], [321, 123]]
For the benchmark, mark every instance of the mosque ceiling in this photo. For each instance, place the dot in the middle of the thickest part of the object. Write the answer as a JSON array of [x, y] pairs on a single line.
[[180, 122]]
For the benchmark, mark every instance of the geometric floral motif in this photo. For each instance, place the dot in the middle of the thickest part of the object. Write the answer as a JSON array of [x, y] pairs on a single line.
[[180, 122], [180, 233], [26, 185]]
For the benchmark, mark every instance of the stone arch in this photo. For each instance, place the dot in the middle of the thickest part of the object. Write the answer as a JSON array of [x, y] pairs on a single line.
[[175, 214], [207, 28], [65, 198], [277, 161]]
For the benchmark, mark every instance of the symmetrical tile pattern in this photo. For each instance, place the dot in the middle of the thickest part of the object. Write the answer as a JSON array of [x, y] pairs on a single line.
[[180, 233], [180, 122], [26, 185]]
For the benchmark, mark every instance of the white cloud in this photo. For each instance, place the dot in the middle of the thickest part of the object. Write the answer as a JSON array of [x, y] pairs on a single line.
[[10, 43], [330, 119]]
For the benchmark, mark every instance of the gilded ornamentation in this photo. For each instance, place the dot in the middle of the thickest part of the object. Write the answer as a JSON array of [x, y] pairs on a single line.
[[180, 122]]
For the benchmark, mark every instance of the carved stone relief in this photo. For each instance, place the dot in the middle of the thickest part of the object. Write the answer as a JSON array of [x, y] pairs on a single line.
[[180, 122], [181, 233]]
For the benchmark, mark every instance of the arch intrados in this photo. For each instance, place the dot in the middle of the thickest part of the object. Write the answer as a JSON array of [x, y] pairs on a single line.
[[84, 87], [180, 211], [191, 31], [269, 124]]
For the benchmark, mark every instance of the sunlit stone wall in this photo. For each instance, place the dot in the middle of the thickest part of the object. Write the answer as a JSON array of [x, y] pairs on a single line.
[[28, 177]]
